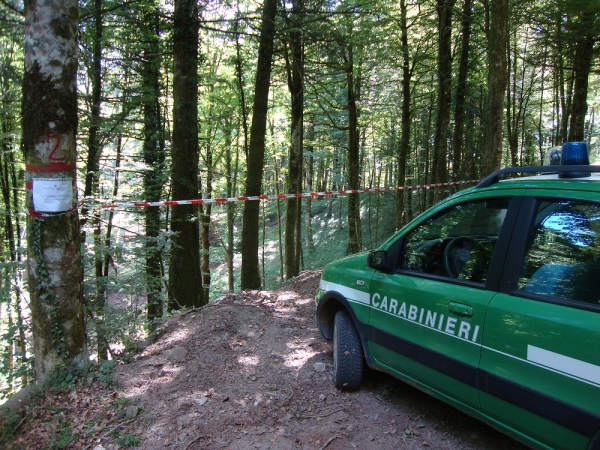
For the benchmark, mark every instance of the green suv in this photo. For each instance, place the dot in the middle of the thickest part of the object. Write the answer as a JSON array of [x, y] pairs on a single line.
[[489, 301]]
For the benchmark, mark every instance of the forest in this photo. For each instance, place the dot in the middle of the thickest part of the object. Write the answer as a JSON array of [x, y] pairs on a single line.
[[156, 154]]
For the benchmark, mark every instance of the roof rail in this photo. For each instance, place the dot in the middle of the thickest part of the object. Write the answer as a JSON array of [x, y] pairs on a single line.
[[498, 174]]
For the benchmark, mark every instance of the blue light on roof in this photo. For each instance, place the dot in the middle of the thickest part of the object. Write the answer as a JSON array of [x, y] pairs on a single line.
[[574, 154]]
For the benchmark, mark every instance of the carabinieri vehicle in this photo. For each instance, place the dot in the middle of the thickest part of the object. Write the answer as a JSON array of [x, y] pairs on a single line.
[[489, 301]]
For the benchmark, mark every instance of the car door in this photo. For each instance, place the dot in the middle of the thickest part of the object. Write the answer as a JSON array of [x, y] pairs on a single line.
[[540, 364], [428, 310]]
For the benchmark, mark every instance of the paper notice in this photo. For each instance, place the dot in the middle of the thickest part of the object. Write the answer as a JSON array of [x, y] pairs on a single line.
[[52, 195]]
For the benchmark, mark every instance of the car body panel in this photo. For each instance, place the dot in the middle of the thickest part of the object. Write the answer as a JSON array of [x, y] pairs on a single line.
[[524, 363]]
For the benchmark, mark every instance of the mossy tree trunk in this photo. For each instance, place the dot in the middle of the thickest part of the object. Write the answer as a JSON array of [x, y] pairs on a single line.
[[53, 232]]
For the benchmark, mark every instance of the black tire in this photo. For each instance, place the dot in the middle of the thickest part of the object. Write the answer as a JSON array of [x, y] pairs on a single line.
[[347, 353]]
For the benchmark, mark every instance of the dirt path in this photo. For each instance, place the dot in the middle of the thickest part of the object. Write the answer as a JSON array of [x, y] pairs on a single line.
[[252, 372], [249, 371]]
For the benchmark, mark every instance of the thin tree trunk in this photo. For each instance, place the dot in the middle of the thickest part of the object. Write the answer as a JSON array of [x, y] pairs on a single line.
[[206, 216], [250, 278], [354, 228], [461, 91], [406, 100], [239, 76], [154, 157], [279, 230], [497, 81], [231, 170], [444, 74], [310, 173], [295, 77]]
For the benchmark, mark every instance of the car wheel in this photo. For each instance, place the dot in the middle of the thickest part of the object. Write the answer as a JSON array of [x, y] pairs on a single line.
[[347, 353]]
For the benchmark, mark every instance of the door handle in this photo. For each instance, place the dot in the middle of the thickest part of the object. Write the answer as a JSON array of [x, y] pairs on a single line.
[[460, 308]]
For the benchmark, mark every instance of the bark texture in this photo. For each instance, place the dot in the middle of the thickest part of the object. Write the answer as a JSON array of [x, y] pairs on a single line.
[[185, 281], [250, 276], [295, 73], [353, 169], [49, 127], [582, 66], [497, 82], [154, 157]]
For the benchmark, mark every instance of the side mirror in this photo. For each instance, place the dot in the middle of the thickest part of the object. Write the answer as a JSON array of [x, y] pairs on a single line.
[[377, 259]]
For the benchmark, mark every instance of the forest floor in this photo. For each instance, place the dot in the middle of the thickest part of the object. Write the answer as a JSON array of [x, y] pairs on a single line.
[[248, 371]]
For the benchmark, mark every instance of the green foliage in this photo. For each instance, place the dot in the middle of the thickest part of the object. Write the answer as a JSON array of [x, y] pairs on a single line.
[[64, 439], [65, 377], [9, 420], [129, 440], [543, 37]]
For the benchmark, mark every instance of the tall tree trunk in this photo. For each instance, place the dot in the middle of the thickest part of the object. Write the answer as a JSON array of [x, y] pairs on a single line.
[[353, 84], [185, 281], [582, 65], [461, 91], [406, 99], [310, 173], [231, 169], [8, 184], [53, 234], [279, 230], [205, 221], [154, 158], [444, 74], [91, 178], [250, 277], [295, 77], [239, 77], [497, 81]]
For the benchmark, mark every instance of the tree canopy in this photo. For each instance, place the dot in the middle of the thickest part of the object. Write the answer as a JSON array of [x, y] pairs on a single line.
[[177, 101]]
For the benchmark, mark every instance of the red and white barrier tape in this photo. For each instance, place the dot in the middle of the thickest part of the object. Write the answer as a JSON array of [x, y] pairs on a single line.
[[202, 201]]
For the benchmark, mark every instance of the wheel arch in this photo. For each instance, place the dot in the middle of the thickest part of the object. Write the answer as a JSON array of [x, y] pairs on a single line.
[[331, 302]]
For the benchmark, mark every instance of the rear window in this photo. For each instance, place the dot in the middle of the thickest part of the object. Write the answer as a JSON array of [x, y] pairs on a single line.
[[563, 252]]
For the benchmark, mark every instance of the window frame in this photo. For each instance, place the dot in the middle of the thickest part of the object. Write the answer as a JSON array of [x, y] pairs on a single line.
[[517, 251], [495, 269]]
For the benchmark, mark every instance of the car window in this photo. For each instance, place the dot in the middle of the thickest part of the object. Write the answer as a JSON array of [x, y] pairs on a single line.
[[458, 243], [562, 257]]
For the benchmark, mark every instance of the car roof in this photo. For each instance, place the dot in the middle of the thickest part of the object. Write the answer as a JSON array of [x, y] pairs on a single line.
[[554, 177]]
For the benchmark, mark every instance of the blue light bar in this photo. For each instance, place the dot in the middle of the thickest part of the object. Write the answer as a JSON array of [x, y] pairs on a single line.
[[574, 154]]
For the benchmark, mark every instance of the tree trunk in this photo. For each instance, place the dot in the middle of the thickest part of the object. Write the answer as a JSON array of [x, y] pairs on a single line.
[[461, 91], [406, 99], [205, 221], [250, 277], [185, 281], [12, 229], [440, 144], [154, 157], [239, 76], [310, 173], [295, 77], [582, 65], [279, 230], [354, 228], [497, 81], [53, 233]]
